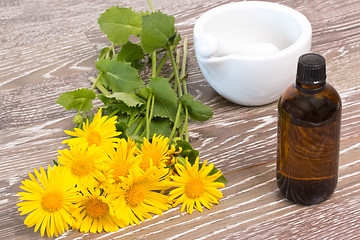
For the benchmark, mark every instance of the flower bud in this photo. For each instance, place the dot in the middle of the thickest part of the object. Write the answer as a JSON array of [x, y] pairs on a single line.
[[78, 119]]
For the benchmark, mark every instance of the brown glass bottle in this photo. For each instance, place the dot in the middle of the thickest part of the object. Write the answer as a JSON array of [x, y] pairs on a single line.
[[309, 117]]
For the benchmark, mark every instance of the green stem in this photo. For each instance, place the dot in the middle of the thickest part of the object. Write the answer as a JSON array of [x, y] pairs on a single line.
[[150, 101], [152, 106], [162, 63], [151, 5], [173, 132], [183, 67], [176, 71], [135, 119], [96, 81], [108, 53], [178, 57], [183, 81], [113, 50], [143, 133], [171, 77], [153, 63], [131, 119], [139, 126], [186, 124], [147, 115], [84, 112], [99, 86], [113, 113]]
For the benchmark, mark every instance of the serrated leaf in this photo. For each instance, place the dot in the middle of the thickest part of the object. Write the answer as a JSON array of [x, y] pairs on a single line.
[[80, 100], [119, 23], [119, 76], [130, 99], [166, 101], [157, 29], [131, 53], [197, 110]]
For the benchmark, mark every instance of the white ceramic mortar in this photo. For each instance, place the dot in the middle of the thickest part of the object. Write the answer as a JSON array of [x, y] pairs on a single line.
[[248, 51]]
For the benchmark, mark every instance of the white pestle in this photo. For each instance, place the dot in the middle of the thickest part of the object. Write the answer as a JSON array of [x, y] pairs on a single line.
[[210, 46]]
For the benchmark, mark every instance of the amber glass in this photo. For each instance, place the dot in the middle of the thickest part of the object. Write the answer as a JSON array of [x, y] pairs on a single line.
[[309, 120]]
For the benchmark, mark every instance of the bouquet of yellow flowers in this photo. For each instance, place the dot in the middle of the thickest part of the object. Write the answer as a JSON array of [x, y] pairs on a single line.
[[133, 158], [102, 182]]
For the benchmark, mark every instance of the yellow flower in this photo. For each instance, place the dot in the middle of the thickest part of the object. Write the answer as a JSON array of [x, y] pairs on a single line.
[[155, 152], [48, 199], [122, 159], [195, 187], [92, 213], [170, 158], [138, 195], [86, 165], [100, 132]]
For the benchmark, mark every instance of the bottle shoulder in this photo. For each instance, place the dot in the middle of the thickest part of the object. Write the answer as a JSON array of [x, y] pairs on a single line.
[[316, 107]]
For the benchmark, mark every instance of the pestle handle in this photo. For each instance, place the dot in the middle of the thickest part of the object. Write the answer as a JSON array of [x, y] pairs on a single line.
[[210, 46]]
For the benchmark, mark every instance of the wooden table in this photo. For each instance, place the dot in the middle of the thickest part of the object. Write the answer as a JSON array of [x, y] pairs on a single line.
[[49, 47]]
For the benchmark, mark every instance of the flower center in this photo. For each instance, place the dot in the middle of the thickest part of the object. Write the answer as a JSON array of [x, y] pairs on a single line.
[[94, 138], [52, 202], [135, 195], [80, 168], [97, 208], [194, 188], [120, 170]]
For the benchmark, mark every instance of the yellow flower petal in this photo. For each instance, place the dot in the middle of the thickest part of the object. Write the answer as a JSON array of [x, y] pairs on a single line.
[[44, 202], [194, 188], [101, 132]]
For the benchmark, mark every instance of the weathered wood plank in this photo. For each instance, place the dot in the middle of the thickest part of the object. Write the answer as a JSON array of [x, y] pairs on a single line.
[[49, 47]]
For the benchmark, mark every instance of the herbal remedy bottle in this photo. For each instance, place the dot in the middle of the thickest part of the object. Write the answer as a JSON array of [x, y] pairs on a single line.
[[309, 117]]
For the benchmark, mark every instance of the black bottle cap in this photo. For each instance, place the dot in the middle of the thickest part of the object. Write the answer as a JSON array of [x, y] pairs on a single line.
[[311, 69]]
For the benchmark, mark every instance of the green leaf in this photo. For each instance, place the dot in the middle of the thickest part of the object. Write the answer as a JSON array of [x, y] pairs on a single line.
[[121, 126], [119, 23], [104, 99], [157, 29], [129, 99], [120, 107], [103, 52], [160, 126], [119, 76], [131, 53], [79, 99], [133, 126], [144, 93], [175, 39], [187, 151], [166, 101], [197, 110]]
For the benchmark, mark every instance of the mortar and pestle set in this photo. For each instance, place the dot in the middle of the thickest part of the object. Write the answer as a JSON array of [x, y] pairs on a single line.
[[248, 51]]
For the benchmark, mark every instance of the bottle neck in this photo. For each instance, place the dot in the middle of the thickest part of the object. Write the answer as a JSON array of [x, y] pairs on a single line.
[[310, 89]]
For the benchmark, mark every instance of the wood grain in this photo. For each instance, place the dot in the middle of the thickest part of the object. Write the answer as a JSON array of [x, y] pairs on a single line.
[[48, 47]]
